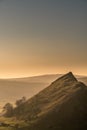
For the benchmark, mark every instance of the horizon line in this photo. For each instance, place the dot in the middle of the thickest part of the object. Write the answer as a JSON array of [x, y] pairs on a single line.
[[39, 75]]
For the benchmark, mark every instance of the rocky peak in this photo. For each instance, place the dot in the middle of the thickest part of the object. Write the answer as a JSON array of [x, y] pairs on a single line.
[[68, 76]]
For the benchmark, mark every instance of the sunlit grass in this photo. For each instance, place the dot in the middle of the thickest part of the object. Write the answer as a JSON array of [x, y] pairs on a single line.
[[12, 122]]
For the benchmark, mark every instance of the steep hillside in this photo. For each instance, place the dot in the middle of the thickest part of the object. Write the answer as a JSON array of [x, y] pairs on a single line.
[[61, 106]]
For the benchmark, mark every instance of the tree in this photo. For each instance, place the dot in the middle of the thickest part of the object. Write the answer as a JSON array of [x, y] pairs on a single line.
[[20, 101], [8, 109]]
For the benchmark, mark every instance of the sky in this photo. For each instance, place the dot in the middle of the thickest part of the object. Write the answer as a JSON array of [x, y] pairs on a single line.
[[42, 37]]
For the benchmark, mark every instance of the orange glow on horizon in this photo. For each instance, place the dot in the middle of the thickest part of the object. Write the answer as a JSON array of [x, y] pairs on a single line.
[[40, 71]]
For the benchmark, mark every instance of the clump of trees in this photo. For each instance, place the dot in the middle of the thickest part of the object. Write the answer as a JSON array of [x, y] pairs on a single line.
[[8, 108], [22, 109]]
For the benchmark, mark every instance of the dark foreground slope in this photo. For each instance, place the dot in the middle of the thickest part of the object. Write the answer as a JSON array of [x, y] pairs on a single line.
[[61, 106]]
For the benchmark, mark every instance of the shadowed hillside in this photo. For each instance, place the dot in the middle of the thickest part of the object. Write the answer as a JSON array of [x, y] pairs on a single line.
[[61, 106]]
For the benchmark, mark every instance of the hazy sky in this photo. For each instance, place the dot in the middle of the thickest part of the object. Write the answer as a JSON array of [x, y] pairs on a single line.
[[42, 36]]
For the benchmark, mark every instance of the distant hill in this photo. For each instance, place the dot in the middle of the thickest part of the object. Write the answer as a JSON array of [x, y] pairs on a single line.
[[83, 79], [48, 78], [60, 106]]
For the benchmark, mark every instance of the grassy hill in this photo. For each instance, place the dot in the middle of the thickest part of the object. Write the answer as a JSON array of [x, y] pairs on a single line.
[[60, 106], [13, 89]]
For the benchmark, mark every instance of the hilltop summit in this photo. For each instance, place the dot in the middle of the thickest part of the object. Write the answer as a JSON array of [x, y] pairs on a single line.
[[68, 76]]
